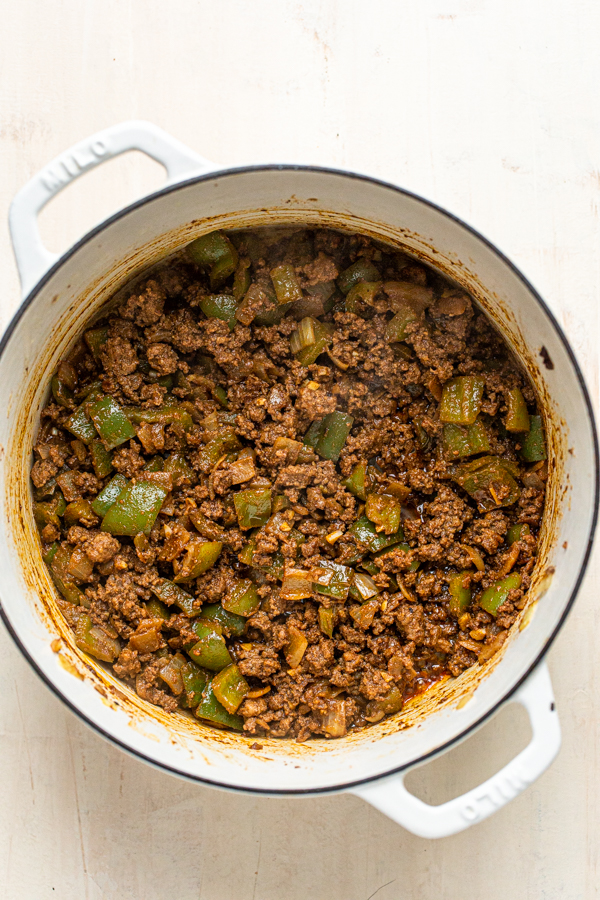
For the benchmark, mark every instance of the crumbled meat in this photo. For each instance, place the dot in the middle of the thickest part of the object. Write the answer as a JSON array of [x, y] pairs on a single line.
[[234, 513]]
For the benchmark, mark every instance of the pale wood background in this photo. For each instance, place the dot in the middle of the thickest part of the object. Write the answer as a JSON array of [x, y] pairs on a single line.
[[491, 109]]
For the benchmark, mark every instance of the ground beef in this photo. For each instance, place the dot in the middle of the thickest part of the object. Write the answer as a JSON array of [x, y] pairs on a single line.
[[364, 561]]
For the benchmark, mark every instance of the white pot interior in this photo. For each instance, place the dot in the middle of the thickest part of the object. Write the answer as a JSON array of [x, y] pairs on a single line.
[[77, 289]]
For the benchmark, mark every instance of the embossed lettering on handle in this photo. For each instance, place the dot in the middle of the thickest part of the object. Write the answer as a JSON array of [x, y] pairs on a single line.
[[72, 164]]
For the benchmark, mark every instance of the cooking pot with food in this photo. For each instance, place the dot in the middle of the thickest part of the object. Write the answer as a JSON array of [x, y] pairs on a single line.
[[62, 294]]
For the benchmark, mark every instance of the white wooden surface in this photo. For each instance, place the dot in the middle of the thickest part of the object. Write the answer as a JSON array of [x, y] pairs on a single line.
[[491, 109]]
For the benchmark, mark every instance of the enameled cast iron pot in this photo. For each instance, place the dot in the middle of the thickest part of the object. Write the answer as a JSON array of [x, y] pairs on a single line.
[[61, 294]]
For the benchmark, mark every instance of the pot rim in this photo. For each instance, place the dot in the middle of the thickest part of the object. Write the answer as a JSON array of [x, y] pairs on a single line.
[[342, 173]]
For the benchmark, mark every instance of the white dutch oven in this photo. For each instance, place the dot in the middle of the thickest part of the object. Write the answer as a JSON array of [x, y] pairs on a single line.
[[60, 294]]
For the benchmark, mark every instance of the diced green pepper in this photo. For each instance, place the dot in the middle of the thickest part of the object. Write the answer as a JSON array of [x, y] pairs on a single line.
[[230, 687], [80, 424], [156, 464], [109, 494], [465, 440], [489, 481], [395, 330], [384, 511], [177, 465], [461, 399], [50, 553], [101, 460], [494, 596], [365, 533], [211, 652], [45, 514], [241, 280], [170, 593], [163, 415], [59, 566], [315, 430], [517, 416], [61, 393], [534, 448], [211, 453], [135, 509], [157, 609], [253, 507], [79, 511], [335, 580], [220, 395], [111, 422], [460, 593], [95, 339], [360, 297], [200, 556], [215, 252], [335, 428], [93, 640], [246, 554], [194, 681], [517, 532], [220, 306], [285, 282], [235, 625], [361, 270], [209, 708], [242, 599], [356, 483], [391, 703]]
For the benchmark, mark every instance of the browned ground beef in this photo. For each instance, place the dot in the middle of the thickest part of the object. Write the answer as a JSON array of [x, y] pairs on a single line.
[[320, 664]]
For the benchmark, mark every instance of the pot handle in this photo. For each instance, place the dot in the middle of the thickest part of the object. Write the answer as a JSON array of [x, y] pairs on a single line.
[[33, 259], [390, 796]]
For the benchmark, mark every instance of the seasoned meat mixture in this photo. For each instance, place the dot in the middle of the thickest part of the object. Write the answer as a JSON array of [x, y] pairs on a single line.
[[293, 478]]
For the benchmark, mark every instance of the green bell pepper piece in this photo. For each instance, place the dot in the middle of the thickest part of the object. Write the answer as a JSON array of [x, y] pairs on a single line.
[[163, 415], [194, 681], [230, 688], [285, 282], [220, 306], [489, 481], [93, 640], [385, 511], [109, 494], [335, 428], [215, 252], [157, 609], [253, 507], [395, 330], [200, 556], [494, 596], [242, 599], [534, 448], [517, 416], [50, 553], [241, 279], [178, 466], [518, 531], [460, 593], [170, 593], [211, 652], [95, 339], [366, 534], [80, 424], [339, 583], [465, 440], [77, 511], [361, 270], [135, 509], [111, 422], [356, 483], [211, 453], [209, 708], [360, 297], [59, 566], [232, 624], [101, 460], [461, 399]]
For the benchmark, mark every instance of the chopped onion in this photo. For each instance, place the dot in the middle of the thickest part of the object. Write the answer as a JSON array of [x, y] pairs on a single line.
[[304, 335], [334, 719], [295, 649], [296, 585], [365, 586], [476, 557], [243, 469]]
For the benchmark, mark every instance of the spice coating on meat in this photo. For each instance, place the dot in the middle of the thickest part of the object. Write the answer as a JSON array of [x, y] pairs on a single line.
[[375, 504]]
